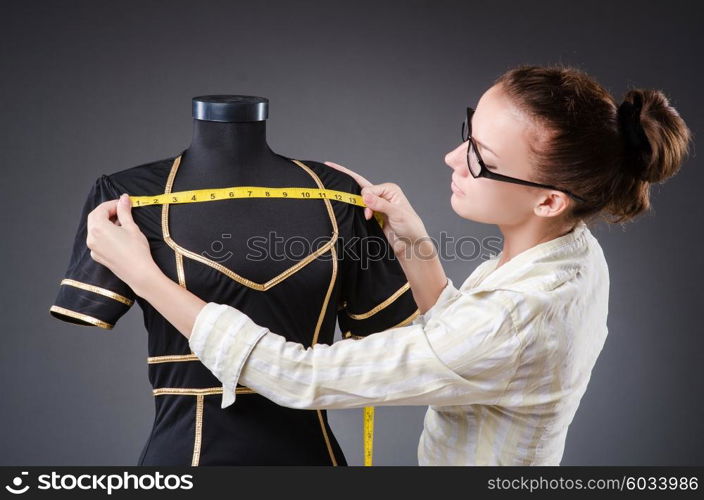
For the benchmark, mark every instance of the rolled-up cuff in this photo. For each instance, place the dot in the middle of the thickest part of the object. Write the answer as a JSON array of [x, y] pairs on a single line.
[[222, 338]]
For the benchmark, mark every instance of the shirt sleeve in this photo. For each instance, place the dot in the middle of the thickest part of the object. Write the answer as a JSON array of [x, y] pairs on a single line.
[[447, 296], [90, 294], [376, 294], [466, 352]]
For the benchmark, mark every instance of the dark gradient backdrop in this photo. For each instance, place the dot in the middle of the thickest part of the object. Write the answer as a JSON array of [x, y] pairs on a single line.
[[95, 87]]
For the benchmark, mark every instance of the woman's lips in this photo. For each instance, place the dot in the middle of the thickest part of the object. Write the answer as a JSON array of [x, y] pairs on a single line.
[[455, 188]]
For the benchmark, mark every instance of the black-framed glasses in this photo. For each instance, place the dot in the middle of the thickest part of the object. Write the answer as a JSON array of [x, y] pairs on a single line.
[[478, 168]]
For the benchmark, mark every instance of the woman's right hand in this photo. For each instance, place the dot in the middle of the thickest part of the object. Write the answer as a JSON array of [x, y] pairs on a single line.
[[402, 226]]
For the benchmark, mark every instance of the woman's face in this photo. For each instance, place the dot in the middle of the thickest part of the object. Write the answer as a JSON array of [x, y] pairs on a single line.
[[502, 134]]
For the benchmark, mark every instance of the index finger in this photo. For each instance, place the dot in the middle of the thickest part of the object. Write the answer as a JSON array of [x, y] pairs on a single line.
[[360, 180]]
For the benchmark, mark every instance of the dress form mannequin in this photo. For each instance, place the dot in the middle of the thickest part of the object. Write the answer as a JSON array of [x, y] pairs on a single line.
[[281, 261]]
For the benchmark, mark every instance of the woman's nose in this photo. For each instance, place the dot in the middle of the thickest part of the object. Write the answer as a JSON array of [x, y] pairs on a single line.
[[457, 158]]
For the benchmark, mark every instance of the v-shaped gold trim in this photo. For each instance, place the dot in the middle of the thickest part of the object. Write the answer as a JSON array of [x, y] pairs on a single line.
[[183, 252], [228, 272]]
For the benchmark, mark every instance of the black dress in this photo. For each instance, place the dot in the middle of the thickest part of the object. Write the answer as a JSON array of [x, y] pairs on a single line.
[[338, 266]]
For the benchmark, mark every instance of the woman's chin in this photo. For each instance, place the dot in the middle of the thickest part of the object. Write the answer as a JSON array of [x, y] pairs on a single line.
[[459, 205]]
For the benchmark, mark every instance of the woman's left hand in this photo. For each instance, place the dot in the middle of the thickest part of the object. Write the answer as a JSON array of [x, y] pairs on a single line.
[[116, 242]]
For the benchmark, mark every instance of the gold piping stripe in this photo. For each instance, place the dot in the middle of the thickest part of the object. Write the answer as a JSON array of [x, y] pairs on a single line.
[[97, 289], [348, 334], [172, 358], [184, 391], [323, 310], [199, 430], [383, 305], [228, 272], [408, 319], [179, 270], [82, 317], [321, 316]]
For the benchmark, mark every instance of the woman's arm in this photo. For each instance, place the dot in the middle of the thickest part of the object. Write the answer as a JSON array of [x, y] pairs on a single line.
[[179, 306], [424, 272], [466, 354], [406, 234], [409, 365]]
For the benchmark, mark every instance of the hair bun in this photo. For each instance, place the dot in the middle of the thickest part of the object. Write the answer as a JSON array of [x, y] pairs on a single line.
[[636, 144]]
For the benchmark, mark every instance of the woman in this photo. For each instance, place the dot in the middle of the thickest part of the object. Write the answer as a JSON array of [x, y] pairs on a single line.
[[504, 360]]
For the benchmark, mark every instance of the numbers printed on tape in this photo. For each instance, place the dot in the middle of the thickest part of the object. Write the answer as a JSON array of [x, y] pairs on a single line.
[[200, 195], [368, 435], [231, 193]]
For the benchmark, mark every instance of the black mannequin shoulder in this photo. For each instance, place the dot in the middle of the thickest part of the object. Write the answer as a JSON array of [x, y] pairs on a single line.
[[143, 179]]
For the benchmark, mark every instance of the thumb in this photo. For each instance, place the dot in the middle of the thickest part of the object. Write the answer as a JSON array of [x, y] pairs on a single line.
[[124, 211], [375, 202]]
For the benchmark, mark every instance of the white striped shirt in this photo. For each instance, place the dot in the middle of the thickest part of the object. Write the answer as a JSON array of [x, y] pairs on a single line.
[[503, 361]]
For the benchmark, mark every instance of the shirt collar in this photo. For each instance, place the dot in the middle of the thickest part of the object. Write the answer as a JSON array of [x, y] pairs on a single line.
[[543, 266]]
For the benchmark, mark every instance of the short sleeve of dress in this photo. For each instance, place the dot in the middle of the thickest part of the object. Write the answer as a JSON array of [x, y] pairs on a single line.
[[376, 294], [89, 293]]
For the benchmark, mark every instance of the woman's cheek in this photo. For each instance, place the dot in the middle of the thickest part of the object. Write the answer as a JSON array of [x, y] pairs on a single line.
[[514, 204], [489, 202], [475, 204]]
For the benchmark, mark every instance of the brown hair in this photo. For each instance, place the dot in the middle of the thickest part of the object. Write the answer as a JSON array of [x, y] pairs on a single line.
[[607, 153]]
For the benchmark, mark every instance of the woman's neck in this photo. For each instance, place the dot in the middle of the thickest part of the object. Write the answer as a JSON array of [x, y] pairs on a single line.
[[520, 237]]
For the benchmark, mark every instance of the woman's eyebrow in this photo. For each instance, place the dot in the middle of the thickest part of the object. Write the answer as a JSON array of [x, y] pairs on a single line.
[[480, 143]]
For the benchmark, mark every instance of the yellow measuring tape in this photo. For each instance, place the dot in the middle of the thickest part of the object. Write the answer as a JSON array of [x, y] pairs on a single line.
[[300, 193], [200, 195], [368, 434], [231, 193]]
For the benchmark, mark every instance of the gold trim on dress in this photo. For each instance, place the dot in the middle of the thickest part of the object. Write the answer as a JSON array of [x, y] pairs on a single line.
[[413, 316], [228, 272], [172, 358], [348, 334], [179, 270], [321, 316], [199, 430], [97, 289], [82, 317], [323, 310], [382, 305], [208, 391]]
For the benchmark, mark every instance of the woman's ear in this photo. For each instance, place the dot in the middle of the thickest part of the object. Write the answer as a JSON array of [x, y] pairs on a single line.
[[551, 204]]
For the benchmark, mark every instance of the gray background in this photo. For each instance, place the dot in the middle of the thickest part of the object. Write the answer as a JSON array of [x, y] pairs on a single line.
[[95, 87]]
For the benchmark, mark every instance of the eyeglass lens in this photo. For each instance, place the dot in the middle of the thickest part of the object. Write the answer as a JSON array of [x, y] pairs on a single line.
[[473, 159]]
